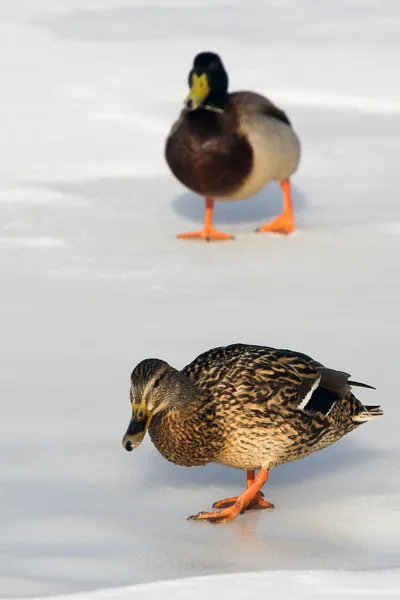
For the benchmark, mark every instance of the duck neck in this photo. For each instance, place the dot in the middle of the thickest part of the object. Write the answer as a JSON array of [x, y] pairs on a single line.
[[185, 395], [177, 430], [216, 100]]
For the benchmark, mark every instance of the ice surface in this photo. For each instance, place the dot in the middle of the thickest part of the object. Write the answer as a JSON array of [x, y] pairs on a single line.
[[93, 280], [281, 585]]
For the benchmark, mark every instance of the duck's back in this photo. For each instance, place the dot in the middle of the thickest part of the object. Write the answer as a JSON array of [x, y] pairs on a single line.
[[276, 405]]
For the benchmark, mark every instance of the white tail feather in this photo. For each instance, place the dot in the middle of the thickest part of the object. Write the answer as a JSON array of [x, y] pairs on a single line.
[[368, 415]]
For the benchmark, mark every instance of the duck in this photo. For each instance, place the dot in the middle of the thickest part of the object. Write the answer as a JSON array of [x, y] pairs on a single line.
[[244, 406], [229, 146]]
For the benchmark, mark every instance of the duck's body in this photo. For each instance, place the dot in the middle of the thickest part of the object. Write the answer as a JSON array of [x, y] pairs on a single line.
[[229, 146], [235, 153], [247, 407]]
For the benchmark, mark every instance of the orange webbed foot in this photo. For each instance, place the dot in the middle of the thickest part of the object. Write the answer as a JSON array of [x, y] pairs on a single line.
[[283, 224], [258, 503], [208, 234], [217, 517], [233, 507]]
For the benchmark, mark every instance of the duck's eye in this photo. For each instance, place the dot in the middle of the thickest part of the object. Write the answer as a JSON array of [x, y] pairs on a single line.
[[156, 383]]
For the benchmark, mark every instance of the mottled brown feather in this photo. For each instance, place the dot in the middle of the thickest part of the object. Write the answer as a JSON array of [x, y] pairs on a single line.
[[245, 409]]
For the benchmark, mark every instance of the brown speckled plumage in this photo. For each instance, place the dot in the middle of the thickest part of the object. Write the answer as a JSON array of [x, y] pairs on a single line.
[[248, 407]]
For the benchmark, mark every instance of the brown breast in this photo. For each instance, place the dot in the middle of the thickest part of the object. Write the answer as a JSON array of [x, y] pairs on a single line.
[[206, 154], [190, 436]]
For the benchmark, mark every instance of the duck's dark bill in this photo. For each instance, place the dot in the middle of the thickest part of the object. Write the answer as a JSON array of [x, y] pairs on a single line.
[[136, 427], [134, 434]]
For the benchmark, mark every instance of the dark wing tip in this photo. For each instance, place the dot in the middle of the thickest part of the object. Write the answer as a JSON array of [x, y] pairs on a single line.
[[278, 114], [363, 385]]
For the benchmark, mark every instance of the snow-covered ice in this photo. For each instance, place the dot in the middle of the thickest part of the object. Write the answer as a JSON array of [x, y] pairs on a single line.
[[93, 280], [302, 585]]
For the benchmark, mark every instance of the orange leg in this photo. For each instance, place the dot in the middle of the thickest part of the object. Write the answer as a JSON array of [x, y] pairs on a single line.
[[257, 503], [242, 502], [208, 233], [285, 222]]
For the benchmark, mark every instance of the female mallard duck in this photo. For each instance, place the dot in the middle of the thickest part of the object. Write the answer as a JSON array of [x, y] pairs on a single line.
[[247, 407], [229, 146]]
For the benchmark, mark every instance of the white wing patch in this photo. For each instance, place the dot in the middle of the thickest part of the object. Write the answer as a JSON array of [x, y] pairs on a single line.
[[307, 397]]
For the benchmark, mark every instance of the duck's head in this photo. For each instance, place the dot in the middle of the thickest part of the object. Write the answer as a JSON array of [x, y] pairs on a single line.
[[208, 82], [155, 386]]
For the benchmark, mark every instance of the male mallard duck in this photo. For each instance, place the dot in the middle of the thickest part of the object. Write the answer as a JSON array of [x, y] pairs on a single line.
[[229, 146], [247, 407]]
